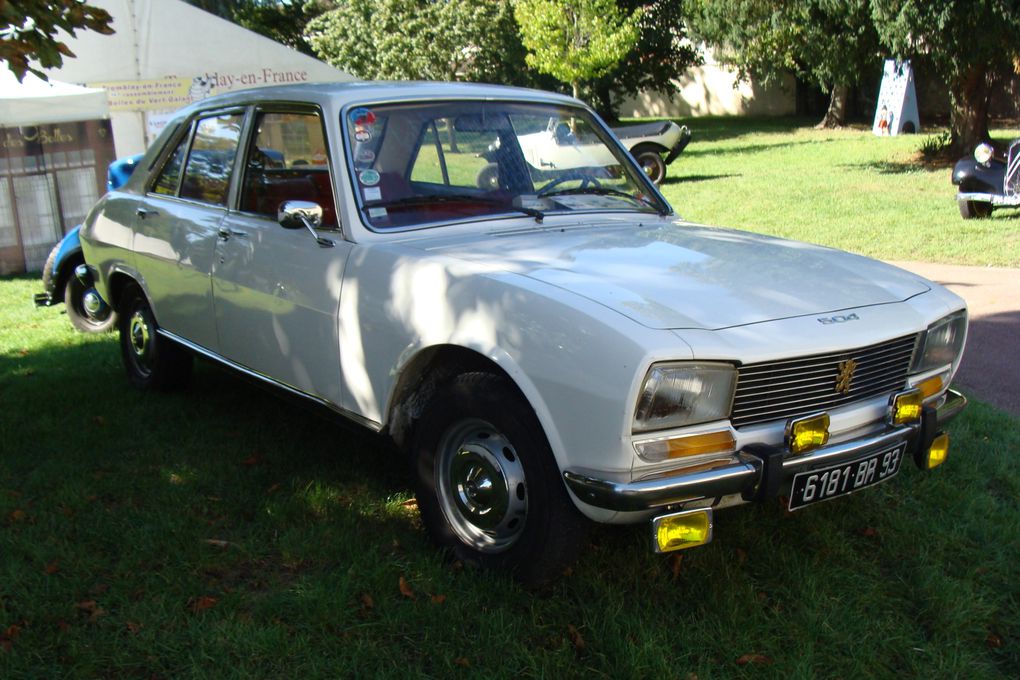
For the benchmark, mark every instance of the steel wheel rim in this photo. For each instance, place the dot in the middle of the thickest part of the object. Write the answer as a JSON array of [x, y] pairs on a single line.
[[482, 488], [650, 166], [140, 338]]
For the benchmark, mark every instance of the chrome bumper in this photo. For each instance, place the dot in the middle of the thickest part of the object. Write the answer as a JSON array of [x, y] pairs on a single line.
[[994, 199], [759, 472], [681, 144]]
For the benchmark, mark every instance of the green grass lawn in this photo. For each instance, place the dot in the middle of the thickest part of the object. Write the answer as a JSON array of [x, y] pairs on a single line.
[[848, 189], [220, 532]]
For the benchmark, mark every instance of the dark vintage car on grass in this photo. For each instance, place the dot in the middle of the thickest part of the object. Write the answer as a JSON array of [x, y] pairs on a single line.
[[988, 180]]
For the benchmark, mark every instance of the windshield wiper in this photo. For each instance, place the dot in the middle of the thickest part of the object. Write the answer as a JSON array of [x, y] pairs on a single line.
[[410, 201], [604, 191]]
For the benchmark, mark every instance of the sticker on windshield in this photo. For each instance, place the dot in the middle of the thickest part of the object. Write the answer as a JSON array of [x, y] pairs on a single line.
[[362, 117], [362, 135], [364, 157], [372, 194], [377, 213], [368, 177]]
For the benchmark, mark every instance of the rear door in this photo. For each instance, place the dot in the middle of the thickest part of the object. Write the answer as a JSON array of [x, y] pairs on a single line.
[[277, 291], [178, 225]]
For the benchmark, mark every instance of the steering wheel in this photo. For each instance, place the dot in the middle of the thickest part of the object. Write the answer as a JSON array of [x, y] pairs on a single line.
[[584, 178]]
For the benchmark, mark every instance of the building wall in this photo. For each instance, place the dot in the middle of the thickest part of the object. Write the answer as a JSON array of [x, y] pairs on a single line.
[[713, 89]]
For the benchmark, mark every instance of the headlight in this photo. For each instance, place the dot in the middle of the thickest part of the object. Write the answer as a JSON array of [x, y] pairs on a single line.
[[983, 153], [679, 394], [942, 343]]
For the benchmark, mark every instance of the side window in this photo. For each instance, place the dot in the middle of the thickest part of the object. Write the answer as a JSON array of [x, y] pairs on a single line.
[[456, 157], [207, 173], [170, 175], [287, 161]]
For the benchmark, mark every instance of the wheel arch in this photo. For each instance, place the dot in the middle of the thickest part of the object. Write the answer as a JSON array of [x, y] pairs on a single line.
[[419, 375], [65, 270], [647, 146]]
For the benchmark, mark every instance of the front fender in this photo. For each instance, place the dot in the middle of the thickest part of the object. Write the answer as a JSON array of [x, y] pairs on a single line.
[[972, 176]]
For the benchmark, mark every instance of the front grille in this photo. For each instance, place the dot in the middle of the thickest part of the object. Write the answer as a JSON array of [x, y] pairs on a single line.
[[797, 387]]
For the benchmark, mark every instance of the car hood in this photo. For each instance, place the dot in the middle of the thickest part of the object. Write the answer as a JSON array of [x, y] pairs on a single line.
[[678, 275]]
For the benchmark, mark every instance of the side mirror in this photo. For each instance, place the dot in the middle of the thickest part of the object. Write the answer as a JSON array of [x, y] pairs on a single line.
[[299, 215], [303, 214]]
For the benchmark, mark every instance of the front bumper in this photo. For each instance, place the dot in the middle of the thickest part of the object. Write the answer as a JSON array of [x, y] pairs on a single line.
[[760, 471], [681, 144], [994, 199]]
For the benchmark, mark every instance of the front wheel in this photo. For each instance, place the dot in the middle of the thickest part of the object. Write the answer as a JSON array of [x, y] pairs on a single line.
[[152, 361], [650, 160], [86, 310], [974, 209], [488, 486]]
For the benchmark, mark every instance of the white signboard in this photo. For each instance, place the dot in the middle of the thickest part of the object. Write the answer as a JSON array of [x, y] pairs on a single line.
[[896, 111]]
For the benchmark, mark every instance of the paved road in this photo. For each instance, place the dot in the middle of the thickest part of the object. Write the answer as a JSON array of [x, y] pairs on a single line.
[[991, 363]]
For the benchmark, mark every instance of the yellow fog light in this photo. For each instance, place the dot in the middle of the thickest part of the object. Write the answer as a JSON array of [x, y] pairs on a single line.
[[807, 433], [938, 452], [906, 407], [687, 529]]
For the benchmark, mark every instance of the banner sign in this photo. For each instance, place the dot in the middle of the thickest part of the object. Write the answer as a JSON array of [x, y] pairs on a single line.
[[173, 92], [896, 111]]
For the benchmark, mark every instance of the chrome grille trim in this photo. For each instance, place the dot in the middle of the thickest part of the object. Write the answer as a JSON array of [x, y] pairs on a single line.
[[797, 387]]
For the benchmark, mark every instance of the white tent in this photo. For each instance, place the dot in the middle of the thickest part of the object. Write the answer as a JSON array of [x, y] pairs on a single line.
[[35, 101], [161, 48]]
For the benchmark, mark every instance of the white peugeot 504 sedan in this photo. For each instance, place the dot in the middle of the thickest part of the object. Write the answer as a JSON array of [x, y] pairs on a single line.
[[556, 348]]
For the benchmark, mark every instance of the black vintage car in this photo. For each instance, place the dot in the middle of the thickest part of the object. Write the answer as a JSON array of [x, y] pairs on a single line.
[[988, 180]]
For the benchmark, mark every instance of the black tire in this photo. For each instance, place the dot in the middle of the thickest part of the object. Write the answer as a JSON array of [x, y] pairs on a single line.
[[152, 362], [488, 486], [47, 271], [974, 209], [488, 177], [74, 302], [650, 159]]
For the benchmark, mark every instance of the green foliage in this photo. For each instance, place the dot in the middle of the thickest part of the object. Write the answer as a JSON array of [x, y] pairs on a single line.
[[28, 31], [973, 45], [827, 42], [576, 40], [415, 39], [661, 54]]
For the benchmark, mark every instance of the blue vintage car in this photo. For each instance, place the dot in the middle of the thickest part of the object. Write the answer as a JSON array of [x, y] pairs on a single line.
[[86, 309]]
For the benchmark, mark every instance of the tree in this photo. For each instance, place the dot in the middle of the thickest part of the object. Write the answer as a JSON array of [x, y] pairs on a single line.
[[972, 44], [28, 31], [281, 20], [826, 42], [576, 40], [661, 54], [421, 39]]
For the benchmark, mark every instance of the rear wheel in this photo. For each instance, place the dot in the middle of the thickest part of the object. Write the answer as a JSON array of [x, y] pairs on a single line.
[[488, 486], [974, 209], [650, 160], [488, 177], [152, 361], [86, 310]]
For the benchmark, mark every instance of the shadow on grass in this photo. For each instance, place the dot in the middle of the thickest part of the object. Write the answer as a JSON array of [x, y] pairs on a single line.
[[691, 179]]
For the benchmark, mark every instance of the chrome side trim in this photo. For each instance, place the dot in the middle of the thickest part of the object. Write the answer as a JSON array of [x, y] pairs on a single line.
[[742, 475], [209, 354]]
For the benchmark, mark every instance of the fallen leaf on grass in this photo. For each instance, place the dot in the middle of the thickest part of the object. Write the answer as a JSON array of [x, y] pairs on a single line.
[[753, 658], [575, 638], [63, 626], [199, 604], [405, 589], [99, 589], [273, 489], [438, 599], [217, 542], [741, 555], [462, 662], [410, 503], [99, 420], [53, 567], [993, 641], [254, 459], [675, 561], [12, 632], [366, 601], [17, 515], [133, 627], [868, 532], [91, 608]]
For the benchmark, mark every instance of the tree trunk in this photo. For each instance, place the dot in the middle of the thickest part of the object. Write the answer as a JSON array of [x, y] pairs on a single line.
[[576, 85], [602, 96], [835, 116], [969, 98]]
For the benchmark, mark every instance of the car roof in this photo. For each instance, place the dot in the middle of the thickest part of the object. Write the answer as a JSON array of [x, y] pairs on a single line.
[[342, 94]]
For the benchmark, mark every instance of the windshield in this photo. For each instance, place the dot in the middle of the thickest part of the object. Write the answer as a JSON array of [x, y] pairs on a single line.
[[423, 163]]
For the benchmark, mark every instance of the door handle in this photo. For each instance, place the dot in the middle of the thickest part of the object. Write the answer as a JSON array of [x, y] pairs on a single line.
[[146, 212], [225, 234]]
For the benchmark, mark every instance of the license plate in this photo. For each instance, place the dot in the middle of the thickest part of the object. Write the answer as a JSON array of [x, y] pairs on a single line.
[[821, 485]]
